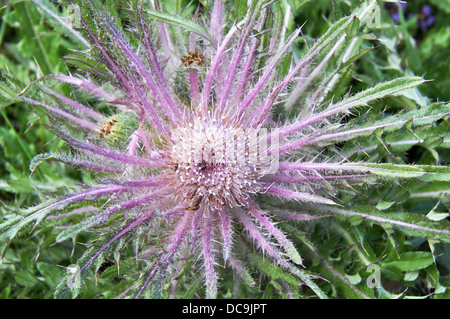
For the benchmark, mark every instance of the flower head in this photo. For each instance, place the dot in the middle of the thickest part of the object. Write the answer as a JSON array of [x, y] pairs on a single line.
[[195, 143], [210, 158]]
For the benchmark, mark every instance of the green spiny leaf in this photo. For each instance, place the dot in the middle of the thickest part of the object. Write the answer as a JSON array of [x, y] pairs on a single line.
[[180, 22]]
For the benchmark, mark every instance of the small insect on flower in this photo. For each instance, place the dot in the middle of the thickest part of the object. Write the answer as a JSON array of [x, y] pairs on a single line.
[[202, 178]]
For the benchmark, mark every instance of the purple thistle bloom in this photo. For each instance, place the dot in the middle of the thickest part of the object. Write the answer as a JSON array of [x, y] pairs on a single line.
[[192, 147]]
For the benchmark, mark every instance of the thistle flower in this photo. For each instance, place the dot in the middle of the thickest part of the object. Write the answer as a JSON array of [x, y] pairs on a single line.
[[199, 138]]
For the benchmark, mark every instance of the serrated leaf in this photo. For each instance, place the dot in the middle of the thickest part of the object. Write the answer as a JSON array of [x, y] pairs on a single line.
[[36, 214], [411, 224], [38, 159], [417, 118], [332, 33], [363, 98]]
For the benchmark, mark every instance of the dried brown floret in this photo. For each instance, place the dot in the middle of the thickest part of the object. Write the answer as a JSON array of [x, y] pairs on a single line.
[[192, 59]]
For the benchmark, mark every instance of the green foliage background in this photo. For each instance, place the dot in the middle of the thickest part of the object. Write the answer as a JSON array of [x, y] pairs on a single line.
[[412, 267]]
